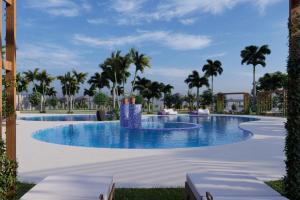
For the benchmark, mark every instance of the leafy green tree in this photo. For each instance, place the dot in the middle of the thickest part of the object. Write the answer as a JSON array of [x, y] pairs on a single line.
[[190, 98], [254, 55], [211, 69], [141, 61], [195, 81], [292, 146], [101, 100], [35, 99], [272, 81], [124, 64], [206, 98], [53, 101], [22, 86]]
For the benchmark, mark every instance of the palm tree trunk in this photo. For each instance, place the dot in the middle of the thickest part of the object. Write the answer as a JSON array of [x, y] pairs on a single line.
[[148, 102], [254, 83], [198, 98], [212, 93], [133, 82]]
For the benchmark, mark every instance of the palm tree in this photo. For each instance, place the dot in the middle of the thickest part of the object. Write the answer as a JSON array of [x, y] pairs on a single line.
[[44, 82], [151, 91], [166, 90], [254, 55], [141, 61], [22, 86], [111, 70], [31, 77], [211, 69], [292, 151], [194, 80], [98, 81], [90, 93], [190, 99], [124, 64], [71, 82]]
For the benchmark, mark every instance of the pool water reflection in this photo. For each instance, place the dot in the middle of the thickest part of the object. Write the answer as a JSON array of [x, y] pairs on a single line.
[[214, 130]]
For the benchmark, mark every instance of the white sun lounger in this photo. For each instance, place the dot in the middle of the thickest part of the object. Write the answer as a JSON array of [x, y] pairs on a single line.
[[228, 186], [72, 188]]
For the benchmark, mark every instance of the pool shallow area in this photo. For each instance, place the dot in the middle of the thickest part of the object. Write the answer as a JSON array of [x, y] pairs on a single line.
[[157, 132], [64, 117]]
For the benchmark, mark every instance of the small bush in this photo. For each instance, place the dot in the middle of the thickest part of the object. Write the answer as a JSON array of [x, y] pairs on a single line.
[[8, 175]]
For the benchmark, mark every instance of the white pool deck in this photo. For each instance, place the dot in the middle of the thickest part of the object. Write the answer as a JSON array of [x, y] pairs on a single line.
[[261, 156]]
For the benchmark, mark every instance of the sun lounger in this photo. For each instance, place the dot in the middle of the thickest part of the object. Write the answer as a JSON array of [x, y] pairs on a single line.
[[72, 188], [200, 112], [227, 186], [168, 112]]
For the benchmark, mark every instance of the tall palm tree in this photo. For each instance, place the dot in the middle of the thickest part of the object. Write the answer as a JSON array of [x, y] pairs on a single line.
[[254, 55], [99, 81], [124, 64], [22, 86], [166, 90], [141, 61], [151, 91], [292, 151], [195, 81], [31, 77], [90, 93], [71, 82], [44, 80], [190, 99], [211, 69], [111, 70]]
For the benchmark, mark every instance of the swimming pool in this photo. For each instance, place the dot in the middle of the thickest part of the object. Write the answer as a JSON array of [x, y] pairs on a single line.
[[210, 131]]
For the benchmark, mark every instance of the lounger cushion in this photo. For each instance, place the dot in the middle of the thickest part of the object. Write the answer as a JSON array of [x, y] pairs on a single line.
[[250, 198], [71, 188], [228, 184]]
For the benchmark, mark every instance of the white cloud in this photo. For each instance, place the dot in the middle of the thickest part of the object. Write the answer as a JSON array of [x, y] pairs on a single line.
[[127, 6], [188, 21], [96, 21], [177, 41], [67, 8], [46, 56], [180, 9], [216, 55]]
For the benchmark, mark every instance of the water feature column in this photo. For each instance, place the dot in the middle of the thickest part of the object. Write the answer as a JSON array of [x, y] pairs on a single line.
[[135, 116], [124, 113]]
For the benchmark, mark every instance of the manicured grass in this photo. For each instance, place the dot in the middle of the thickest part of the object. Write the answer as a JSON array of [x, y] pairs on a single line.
[[150, 194], [277, 185], [22, 188]]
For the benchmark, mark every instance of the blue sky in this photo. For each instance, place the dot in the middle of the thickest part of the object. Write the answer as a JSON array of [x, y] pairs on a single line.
[[60, 35]]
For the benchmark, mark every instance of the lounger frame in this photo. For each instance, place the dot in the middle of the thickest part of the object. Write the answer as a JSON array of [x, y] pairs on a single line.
[[189, 194], [111, 194]]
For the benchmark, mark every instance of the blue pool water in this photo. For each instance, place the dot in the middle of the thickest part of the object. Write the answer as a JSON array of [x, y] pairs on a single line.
[[61, 118], [156, 132]]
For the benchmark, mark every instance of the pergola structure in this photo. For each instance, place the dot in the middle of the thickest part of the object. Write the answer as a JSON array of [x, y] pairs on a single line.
[[9, 65], [221, 101], [265, 100]]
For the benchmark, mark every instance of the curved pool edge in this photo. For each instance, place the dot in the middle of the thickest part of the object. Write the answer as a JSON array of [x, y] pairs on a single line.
[[66, 123]]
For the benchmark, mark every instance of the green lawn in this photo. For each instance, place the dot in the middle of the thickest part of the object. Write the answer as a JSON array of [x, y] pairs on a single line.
[[127, 194], [277, 185], [150, 194], [22, 188]]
